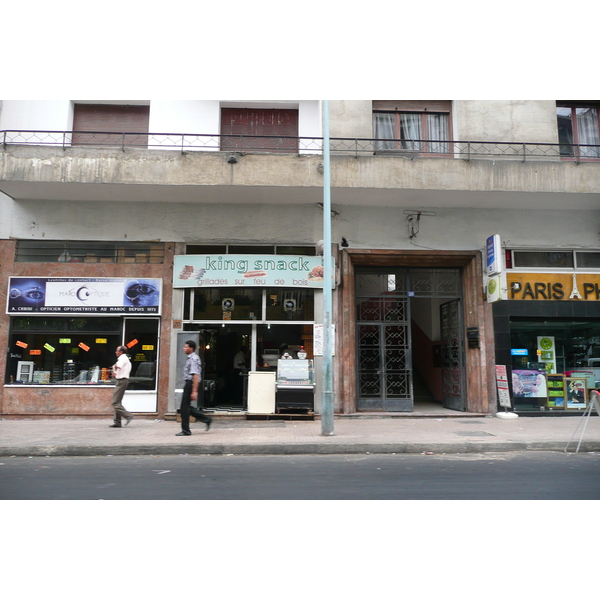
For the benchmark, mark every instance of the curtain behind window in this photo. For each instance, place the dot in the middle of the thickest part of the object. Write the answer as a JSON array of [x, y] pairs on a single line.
[[437, 132], [587, 130], [384, 130], [410, 131]]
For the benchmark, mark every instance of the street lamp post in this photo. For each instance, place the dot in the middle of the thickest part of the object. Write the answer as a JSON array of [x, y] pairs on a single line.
[[327, 394]]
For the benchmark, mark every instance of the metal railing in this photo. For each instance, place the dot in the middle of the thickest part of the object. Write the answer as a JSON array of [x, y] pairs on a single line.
[[412, 149]]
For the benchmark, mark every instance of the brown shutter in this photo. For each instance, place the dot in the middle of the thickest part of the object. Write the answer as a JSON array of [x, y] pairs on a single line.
[[280, 127], [116, 119]]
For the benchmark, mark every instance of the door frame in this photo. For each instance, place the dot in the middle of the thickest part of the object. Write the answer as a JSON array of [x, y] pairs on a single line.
[[479, 362]]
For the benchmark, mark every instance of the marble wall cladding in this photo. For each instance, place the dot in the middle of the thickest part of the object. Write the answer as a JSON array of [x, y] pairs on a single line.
[[50, 400]]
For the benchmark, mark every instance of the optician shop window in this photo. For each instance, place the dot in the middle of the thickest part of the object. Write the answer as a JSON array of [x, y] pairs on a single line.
[[80, 350]]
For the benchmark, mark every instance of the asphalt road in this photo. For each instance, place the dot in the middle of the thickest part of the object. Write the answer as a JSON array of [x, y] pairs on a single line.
[[490, 476]]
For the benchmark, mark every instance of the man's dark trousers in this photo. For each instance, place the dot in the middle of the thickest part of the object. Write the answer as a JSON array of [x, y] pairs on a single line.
[[187, 409]]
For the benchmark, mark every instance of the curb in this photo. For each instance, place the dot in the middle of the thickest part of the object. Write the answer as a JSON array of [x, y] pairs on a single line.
[[295, 449]]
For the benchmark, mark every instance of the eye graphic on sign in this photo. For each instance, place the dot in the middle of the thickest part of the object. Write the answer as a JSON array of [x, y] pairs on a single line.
[[141, 293], [289, 304], [228, 303]]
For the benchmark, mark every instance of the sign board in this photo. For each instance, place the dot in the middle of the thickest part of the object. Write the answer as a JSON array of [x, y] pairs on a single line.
[[83, 295], [495, 288], [240, 270], [502, 385], [319, 341], [494, 262], [553, 286]]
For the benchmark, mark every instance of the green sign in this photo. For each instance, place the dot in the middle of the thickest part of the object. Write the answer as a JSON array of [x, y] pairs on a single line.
[[238, 270]]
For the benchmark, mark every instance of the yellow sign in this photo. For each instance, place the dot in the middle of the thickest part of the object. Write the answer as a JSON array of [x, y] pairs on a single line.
[[101, 341], [147, 347], [553, 286]]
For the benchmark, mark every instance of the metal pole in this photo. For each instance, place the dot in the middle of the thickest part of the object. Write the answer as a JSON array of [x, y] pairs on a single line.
[[327, 394]]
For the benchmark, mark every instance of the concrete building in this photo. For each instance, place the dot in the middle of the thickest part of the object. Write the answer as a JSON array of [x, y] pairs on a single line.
[[204, 217]]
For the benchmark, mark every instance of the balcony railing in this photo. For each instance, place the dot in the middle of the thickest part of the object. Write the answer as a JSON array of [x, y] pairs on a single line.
[[411, 149]]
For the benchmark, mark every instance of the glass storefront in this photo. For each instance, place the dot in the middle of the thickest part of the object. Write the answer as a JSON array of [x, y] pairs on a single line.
[[541, 346], [80, 350]]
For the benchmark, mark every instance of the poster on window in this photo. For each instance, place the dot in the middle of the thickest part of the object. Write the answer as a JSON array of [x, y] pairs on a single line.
[[83, 295], [547, 352], [529, 383]]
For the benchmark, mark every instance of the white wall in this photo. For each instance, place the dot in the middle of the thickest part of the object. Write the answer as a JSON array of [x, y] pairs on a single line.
[[363, 227], [6, 216], [45, 115]]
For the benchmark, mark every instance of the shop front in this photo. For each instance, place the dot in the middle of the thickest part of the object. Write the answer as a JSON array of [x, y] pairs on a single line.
[[61, 342], [548, 334], [245, 311]]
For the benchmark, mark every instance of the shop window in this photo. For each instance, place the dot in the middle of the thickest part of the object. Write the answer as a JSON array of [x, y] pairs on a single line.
[[588, 260], [89, 252], [578, 129], [80, 351], [416, 126], [227, 304], [259, 129], [290, 304], [551, 345], [548, 260], [62, 351], [110, 124], [141, 338]]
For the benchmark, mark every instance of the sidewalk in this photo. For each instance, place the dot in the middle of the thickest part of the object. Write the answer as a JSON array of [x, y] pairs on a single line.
[[86, 437]]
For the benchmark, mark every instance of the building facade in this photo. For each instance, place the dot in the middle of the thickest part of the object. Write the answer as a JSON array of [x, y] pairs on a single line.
[[146, 223]]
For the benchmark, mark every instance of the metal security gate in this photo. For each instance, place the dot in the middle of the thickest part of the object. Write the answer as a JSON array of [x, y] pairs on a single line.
[[453, 392], [384, 349]]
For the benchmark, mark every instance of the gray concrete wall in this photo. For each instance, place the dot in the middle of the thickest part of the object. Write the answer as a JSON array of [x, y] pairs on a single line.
[[505, 120], [33, 164]]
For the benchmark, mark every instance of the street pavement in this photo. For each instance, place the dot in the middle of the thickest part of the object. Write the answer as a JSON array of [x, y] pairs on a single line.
[[351, 435]]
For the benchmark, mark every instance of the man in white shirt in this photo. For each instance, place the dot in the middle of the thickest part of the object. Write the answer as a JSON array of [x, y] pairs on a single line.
[[121, 371]]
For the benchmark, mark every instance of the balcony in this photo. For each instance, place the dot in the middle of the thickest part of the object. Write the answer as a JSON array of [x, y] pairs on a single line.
[[101, 166]]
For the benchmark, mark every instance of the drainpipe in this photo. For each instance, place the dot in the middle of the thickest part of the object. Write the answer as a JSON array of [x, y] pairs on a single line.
[[327, 393]]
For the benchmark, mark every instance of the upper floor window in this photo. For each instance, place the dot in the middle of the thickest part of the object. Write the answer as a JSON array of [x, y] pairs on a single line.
[[578, 129], [110, 124], [89, 252], [259, 129], [414, 125], [552, 259]]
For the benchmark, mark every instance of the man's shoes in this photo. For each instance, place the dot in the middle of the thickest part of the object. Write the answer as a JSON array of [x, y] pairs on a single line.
[[127, 421], [208, 423], [183, 433], [115, 425]]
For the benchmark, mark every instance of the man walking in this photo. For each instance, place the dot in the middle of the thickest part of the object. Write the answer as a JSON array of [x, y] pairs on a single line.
[[121, 370], [192, 374]]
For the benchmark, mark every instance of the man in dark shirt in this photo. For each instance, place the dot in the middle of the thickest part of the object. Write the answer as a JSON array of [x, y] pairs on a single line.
[[192, 374]]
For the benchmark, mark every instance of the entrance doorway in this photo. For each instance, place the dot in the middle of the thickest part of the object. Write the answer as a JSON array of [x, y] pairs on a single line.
[[225, 386], [409, 338]]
